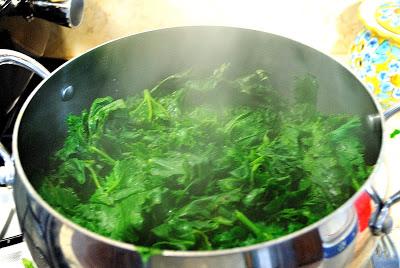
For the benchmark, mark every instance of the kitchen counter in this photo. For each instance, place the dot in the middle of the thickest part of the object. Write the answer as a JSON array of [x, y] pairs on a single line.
[[392, 164], [329, 26]]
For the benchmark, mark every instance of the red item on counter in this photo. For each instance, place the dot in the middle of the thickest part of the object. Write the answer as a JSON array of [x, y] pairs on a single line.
[[363, 208]]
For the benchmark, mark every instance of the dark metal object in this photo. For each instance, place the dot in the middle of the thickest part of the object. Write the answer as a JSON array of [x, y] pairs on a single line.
[[381, 222], [389, 113], [4, 3], [13, 81], [127, 65], [7, 223], [7, 172], [385, 255], [6, 6], [67, 93], [63, 12], [13, 58], [11, 241]]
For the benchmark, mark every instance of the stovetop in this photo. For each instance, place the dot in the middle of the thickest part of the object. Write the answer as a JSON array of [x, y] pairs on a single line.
[[11, 254], [12, 248]]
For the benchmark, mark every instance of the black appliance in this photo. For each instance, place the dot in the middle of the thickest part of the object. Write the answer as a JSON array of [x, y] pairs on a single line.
[[14, 80], [16, 83]]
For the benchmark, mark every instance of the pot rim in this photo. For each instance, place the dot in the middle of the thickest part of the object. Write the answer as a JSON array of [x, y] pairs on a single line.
[[189, 253]]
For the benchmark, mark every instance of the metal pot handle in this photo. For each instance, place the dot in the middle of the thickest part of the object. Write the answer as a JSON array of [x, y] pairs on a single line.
[[11, 57], [7, 171], [381, 222], [16, 58]]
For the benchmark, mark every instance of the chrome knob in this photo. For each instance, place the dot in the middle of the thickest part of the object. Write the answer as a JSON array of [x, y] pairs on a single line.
[[63, 12]]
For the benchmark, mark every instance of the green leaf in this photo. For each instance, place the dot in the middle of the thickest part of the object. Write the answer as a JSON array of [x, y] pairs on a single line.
[[167, 167], [99, 112], [147, 252], [394, 133], [73, 168], [62, 197], [203, 162], [306, 90], [28, 263]]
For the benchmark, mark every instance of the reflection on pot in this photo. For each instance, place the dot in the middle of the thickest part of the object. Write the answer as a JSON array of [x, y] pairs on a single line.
[[338, 238]]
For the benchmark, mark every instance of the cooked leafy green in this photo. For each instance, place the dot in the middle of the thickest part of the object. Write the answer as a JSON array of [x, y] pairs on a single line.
[[394, 133], [28, 263], [205, 163]]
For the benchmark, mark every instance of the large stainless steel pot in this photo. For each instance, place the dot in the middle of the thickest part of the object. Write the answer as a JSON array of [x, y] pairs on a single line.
[[126, 65]]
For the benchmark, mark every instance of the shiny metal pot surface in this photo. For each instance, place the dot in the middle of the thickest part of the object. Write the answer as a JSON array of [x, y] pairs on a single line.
[[127, 65]]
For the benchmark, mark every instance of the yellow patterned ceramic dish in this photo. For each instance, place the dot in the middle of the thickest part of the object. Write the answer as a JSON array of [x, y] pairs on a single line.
[[387, 16], [375, 53]]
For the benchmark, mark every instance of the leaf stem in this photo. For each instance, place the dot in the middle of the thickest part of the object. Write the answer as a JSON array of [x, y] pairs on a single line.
[[94, 177], [248, 223], [147, 98], [103, 154]]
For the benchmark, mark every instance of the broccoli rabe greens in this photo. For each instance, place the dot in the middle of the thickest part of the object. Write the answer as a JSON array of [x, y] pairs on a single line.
[[202, 163]]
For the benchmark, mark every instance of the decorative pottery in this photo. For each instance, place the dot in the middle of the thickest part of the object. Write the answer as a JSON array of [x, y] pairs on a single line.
[[375, 53]]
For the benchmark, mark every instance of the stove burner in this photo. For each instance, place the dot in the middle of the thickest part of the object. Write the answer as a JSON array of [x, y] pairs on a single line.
[[385, 255], [10, 241], [10, 233]]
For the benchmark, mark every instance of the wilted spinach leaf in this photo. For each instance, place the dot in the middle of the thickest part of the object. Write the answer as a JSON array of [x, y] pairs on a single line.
[[205, 163]]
